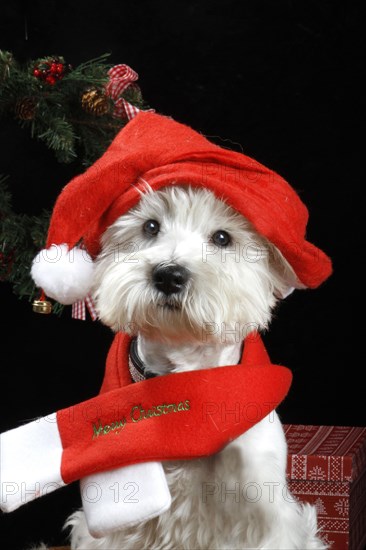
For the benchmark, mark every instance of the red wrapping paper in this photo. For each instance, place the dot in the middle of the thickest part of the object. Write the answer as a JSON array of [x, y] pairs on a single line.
[[327, 467]]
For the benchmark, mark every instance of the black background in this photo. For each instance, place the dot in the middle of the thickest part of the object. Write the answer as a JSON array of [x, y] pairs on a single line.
[[282, 79]]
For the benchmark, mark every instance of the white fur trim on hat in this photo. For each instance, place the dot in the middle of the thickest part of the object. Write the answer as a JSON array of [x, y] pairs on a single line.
[[64, 275]]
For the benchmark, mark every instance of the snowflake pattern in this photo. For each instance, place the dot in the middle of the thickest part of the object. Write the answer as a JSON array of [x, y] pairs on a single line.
[[317, 473], [325, 538], [320, 507], [342, 507]]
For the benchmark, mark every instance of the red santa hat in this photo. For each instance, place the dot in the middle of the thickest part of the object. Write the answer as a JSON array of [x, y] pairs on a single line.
[[160, 151]]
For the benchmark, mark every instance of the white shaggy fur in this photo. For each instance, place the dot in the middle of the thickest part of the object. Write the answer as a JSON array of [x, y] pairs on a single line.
[[237, 498]]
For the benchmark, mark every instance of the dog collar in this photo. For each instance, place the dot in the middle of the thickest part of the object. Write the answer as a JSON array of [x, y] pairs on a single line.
[[136, 366]]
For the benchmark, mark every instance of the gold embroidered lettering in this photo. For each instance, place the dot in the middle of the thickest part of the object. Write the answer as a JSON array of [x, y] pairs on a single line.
[[138, 409], [137, 414], [97, 430], [108, 428]]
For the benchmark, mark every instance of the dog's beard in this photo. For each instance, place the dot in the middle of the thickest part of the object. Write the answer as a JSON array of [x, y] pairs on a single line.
[[212, 308], [223, 300], [127, 301]]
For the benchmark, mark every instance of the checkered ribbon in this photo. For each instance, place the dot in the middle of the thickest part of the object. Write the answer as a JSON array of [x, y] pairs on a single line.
[[124, 109], [79, 309], [122, 77]]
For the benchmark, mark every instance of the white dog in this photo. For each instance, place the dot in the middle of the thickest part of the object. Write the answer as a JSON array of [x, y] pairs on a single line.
[[190, 278]]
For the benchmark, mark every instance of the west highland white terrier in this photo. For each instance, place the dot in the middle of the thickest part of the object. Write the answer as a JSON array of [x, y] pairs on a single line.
[[189, 279]]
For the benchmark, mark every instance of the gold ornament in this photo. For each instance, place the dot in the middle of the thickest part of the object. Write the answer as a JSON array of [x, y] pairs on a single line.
[[95, 102], [25, 109], [42, 306]]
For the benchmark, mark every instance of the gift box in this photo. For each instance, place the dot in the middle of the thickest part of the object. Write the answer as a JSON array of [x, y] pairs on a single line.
[[327, 467]]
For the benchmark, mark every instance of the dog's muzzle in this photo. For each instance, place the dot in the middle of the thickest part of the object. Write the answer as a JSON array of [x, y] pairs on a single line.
[[170, 279]]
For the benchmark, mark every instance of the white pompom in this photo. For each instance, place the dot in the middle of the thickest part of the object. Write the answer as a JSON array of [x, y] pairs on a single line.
[[64, 275]]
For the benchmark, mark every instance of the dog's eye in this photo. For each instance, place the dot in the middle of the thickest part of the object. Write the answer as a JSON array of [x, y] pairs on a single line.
[[151, 227], [221, 238]]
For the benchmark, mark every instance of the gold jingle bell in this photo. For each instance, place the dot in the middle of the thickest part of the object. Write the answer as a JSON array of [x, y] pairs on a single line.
[[42, 306]]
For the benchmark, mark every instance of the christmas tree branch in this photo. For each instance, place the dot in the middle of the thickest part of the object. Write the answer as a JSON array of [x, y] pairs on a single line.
[[69, 109]]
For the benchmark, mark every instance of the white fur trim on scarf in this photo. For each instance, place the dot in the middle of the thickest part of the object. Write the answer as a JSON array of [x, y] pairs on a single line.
[[123, 497], [30, 464]]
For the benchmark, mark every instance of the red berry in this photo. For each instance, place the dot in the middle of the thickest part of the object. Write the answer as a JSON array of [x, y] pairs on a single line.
[[59, 68], [50, 80], [37, 73], [53, 68]]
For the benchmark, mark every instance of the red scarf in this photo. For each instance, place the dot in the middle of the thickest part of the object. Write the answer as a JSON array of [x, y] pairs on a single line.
[[177, 416]]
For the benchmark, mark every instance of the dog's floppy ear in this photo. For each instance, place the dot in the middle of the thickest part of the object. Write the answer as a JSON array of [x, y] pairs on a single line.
[[283, 276]]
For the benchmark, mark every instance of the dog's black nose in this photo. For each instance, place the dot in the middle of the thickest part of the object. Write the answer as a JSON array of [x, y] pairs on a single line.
[[170, 279]]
